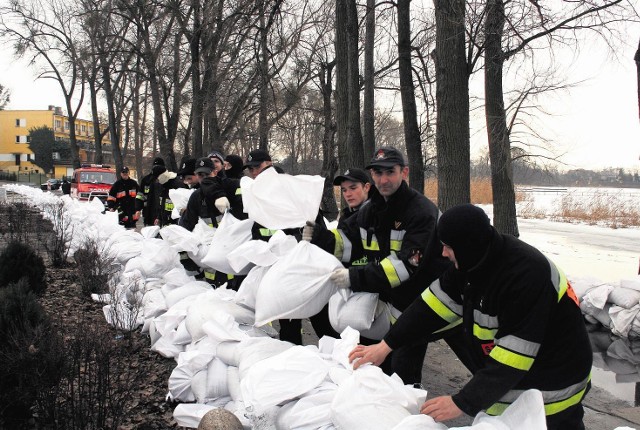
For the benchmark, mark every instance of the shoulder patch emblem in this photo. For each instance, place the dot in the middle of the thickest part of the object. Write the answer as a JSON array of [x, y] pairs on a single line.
[[397, 224]]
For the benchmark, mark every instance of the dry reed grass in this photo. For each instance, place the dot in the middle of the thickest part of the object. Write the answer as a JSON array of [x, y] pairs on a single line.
[[601, 208], [481, 192]]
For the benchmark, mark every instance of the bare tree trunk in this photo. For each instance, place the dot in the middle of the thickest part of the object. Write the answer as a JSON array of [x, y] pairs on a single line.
[[504, 198], [329, 164], [97, 134], [368, 109], [196, 89], [636, 58], [412, 139], [264, 79], [114, 126], [452, 105], [353, 82], [341, 96]]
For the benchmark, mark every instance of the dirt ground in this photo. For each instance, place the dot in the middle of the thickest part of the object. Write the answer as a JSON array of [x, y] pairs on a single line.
[[148, 410]]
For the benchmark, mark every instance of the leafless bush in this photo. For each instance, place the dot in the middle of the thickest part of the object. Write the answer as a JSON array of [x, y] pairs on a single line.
[[126, 305], [96, 385], [96, 268], [57, 244], [20, 222]]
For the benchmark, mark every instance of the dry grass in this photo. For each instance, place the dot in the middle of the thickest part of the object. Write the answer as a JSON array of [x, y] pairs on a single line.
[[600, 208], [481, 192]]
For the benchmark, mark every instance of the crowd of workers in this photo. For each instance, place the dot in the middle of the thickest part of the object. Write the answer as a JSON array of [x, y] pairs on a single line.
[[505, 309]]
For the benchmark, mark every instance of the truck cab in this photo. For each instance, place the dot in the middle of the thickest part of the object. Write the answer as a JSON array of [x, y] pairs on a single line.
[[91, 181]]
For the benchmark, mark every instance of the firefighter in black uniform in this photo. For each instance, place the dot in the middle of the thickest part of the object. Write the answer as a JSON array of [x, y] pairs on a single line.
[[391, 248], [122, 197], [167, 180], [521, 319], [148, 189]]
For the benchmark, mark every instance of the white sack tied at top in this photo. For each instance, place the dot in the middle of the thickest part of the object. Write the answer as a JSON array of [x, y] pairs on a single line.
[[297, 285], [371, 400], [231, 233], [179, 197], [279, 201]]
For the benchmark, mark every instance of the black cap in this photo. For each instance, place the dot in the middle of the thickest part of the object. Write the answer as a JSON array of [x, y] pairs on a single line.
[[354, 174], [158, 170], [125, 169], [158, 161], [385, 157], [467, 230], [216, 154], [187, 167], [256, 157], [204, 165]]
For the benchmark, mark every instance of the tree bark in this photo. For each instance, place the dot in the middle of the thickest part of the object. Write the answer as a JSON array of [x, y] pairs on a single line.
[[329, 164], [412, 140], [504, 198], [368, 109], [452, 105], [341, 96], [354, 138]]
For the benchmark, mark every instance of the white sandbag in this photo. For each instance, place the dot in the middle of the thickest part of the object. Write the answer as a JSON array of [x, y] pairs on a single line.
[[597, 297], [217, 382], [297, 285], [632, 283], [190, 289], [421, 422], [203, 232], [355, 310], [150, 232], [177, 277], [279, 201], [179, 238], [282, 378], [231, 233], [189, 415], [166, 347], [370, 400], [179, 197], [153, 303], [221, 327], [624, 297], [526, 413], [249, 288], [158, 258], [188, 365], [228, 352], [381, 323], [254, 350], [312, 411], [208, 306], [249, 254], [622, 319], [233, 383], [182, 337]]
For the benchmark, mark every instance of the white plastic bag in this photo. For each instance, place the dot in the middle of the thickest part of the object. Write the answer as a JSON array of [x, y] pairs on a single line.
[[297, 285], [179, 197], [279, 201], [355, 310], [231, 233]]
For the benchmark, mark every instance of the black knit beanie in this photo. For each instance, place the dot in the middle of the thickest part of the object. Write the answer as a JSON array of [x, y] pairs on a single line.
[[236, 166], [467, 230], [158, 161]]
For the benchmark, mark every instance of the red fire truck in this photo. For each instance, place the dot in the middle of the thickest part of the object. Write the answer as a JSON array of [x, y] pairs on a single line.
[[91, 181]]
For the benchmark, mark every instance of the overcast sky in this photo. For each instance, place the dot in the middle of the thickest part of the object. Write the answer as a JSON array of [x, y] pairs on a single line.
[[595, 125]]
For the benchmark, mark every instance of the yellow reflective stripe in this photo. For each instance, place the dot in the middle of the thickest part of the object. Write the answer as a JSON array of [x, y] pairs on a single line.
[[141, 197], [238, 191], [564, 284], [168, 206], [484, 333], [554, 408], [390, 272], [395, 245], [267, 232], [497, 409], [438, 307], [374, 245], [338, 250], [210, 275], [511, 359]]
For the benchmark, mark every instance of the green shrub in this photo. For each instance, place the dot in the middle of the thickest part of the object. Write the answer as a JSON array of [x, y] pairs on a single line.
[[19, 260], [30, 354]]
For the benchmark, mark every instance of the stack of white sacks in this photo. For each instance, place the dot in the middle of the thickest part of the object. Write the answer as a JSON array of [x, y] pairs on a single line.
[[226, 352]]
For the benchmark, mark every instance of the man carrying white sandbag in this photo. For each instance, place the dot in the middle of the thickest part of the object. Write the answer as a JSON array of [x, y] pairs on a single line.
[[521, 319], [391, 248]]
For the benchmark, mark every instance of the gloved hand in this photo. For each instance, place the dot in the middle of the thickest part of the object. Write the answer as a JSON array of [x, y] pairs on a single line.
[[307, 231], [222, 204], [340, 278]]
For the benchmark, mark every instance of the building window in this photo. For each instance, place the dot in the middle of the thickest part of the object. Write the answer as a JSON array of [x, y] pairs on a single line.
[[84, 128], [28, 157], [22, 139], [21, 122], [66, 125], [58, 124]]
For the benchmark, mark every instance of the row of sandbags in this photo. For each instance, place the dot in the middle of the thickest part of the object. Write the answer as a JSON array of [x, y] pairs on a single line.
[[616, 307], [615, 354], [224, 359]]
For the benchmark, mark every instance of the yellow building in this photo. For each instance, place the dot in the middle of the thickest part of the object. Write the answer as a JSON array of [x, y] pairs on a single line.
[[15, 155]]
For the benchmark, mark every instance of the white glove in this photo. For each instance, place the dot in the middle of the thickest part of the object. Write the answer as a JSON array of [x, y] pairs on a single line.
[[307, 231], [222, 204], [340, 278]]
